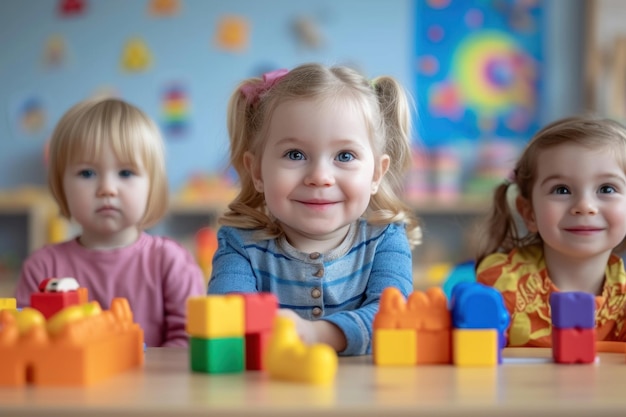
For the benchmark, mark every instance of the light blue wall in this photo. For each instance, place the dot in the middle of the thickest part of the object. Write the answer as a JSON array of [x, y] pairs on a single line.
[[375, 35]]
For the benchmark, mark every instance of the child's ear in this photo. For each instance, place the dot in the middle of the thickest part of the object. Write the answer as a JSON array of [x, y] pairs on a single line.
[[525, 209], [379, 172], [250, 162]]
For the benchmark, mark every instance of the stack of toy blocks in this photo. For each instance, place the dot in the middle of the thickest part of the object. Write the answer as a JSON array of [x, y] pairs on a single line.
[[573, 327], [229, 332], [480, 320], [413, 332], [424, 330], [78, 345]]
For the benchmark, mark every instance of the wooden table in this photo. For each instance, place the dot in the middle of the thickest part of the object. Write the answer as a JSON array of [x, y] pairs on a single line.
[[527, 384]]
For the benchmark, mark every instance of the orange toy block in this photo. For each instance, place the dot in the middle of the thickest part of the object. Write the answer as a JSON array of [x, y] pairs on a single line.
[[81, 351], [395, 347], [50, 303], [423, 310], [434, 347], [259, 311], [391, 309], [8, 304], [288, 358], [215, 316], [83, 295], [475, 347]]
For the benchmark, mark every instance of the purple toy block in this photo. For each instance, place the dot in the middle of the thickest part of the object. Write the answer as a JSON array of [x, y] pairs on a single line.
[[573, 310]]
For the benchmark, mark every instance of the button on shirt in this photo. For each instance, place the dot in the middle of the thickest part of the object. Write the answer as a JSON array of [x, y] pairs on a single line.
[[342, 286]]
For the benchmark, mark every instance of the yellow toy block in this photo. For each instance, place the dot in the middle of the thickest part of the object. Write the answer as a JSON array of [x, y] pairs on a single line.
[[8, 304], [475, 347], [288, 358], [395, 347], [213, 316]]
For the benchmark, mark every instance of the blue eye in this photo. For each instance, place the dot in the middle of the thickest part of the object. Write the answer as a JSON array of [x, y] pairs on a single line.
[[126, 173], [345, 156], [295, 155], [607, 189], [561, 189], [86, 173]]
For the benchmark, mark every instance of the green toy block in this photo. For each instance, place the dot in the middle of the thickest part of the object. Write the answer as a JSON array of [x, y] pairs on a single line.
[[217, 355]]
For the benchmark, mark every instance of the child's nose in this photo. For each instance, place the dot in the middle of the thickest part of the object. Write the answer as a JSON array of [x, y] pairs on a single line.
[[106, 186], [320, 175], [585, 205]]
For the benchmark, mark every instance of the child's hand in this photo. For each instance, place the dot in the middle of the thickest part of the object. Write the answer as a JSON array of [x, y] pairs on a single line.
[[305, 328], [320, 331]]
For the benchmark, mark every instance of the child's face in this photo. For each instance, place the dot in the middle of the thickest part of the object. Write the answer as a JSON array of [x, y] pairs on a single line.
[[318, 170], [107, 198], [578, 201]]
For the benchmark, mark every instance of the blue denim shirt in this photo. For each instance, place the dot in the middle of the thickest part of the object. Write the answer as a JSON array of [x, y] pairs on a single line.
[[343, 286]]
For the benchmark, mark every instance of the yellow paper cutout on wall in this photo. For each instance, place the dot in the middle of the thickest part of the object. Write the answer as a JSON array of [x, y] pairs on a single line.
[[55, 51], [163, 7], [136, 56], [232, 33]]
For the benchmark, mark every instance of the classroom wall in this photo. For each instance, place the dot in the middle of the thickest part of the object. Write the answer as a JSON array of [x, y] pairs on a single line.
[[374, 35], [377, 36]]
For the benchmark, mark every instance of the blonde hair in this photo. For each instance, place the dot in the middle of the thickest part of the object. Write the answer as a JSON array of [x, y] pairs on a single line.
[[133, 136], [385, 107], [501, 231]]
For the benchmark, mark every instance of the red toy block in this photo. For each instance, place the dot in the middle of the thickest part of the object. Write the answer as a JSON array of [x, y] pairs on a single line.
[[259, 311], [256, 344], [50, 303], [573, 345]]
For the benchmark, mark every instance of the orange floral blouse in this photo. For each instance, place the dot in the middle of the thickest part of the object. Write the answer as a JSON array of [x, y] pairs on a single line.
[[522, 278]]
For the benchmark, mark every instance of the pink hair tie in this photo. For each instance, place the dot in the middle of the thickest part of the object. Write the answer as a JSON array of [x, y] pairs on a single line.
[[252, 91]]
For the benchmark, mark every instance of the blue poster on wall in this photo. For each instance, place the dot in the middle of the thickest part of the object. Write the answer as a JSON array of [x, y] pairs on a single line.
[[478, 69]]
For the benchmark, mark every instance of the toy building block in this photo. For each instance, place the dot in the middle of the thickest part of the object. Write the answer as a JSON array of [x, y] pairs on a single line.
[[288, 358], [217, 355], [395, 347], [259, 312], [215, 316], [73, 351], [573, 345], [475, 347], [573, 310], [434, 337], [573, 327], [256, 345], [426, 314], [8, 304], [50, 303], [477, 306], [391, 310], [427, 311]]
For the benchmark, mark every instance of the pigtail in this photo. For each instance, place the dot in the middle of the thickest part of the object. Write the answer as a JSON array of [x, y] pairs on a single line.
[[386, 205], [246, 210], [501, 231]]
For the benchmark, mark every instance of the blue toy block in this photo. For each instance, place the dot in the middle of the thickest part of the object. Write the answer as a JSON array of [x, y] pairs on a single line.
[[477, 306], [573, 310]]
